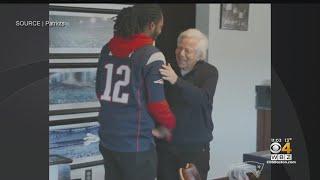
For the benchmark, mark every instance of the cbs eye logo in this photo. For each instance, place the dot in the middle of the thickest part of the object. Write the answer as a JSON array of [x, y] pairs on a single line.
[[277, 148]]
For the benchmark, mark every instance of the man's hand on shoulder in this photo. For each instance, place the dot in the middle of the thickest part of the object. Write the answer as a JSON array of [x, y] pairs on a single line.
[[168, 74]]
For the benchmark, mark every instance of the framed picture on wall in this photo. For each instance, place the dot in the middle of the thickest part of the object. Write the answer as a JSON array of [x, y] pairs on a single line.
[[72, 88], [79, 142], [82, 33], [234, 16]]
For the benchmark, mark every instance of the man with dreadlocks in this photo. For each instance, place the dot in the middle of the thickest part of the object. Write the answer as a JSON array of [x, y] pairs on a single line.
[[130, 90]]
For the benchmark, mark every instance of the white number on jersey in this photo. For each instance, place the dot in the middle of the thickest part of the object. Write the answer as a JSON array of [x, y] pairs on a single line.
[[116, 96]]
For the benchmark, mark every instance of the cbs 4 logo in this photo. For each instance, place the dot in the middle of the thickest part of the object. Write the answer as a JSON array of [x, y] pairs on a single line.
[[277, 148]]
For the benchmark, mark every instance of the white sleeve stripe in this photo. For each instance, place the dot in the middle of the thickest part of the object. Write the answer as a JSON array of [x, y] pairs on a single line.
[[158, 56]]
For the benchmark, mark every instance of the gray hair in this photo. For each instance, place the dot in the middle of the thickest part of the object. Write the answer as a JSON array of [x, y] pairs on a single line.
[[202, 44]]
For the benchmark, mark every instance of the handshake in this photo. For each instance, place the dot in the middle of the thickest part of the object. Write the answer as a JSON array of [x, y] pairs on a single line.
[[162, 132]]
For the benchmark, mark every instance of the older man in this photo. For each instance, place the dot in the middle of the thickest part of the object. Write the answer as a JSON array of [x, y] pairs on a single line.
[[190, 94]]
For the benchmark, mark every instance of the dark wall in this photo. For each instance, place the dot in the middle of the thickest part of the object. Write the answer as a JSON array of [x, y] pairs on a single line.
[[177, 18]]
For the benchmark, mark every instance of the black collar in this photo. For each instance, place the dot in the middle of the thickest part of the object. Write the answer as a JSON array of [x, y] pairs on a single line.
[[196, 66]]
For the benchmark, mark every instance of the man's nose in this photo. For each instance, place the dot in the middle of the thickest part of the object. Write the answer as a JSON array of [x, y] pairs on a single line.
[[182, 53]]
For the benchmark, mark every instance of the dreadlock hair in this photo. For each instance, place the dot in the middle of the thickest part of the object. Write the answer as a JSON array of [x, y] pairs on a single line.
[[133, 20]]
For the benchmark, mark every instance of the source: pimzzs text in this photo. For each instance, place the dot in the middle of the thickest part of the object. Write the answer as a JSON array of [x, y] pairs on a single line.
[[40, 24]]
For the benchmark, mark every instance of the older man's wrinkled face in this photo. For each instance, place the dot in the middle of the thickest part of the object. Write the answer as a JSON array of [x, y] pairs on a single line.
[[186, 54]]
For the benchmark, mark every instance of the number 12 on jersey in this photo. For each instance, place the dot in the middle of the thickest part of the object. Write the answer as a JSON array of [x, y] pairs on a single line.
[[116, 96]]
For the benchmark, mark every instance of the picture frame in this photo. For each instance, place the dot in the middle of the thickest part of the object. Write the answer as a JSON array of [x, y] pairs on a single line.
[[79, 142], [72, 89], [234, 16]]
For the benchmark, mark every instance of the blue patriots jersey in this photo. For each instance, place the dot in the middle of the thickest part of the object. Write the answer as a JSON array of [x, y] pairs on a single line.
[[125, 87]]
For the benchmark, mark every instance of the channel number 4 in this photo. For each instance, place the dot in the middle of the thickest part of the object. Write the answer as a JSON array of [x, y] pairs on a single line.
[[116, 96]]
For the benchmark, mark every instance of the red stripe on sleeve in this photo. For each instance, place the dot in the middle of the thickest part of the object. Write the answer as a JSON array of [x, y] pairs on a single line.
[[161, 112]]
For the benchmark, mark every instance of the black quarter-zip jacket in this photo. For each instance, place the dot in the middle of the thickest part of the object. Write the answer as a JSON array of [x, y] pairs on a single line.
[[191, 100]]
